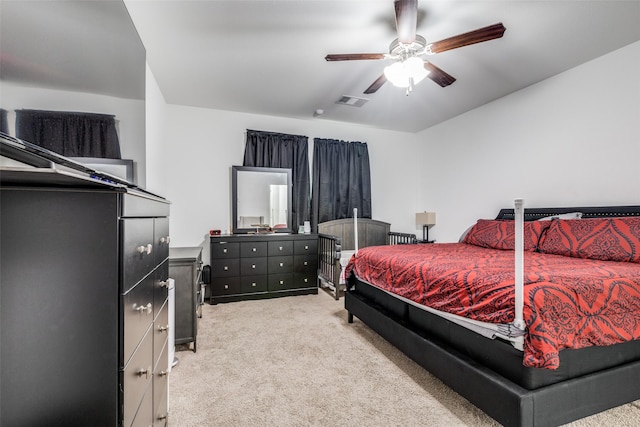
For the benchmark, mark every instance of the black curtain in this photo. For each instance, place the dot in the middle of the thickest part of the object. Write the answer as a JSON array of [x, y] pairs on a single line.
[[70, 134], [341, 180], [278, 150], [4, 125]]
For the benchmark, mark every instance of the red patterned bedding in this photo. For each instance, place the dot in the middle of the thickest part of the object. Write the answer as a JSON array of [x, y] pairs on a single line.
[[568, 302]]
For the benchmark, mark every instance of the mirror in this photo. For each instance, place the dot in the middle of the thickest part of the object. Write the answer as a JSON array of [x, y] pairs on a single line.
[[261, 200], [75, 56]]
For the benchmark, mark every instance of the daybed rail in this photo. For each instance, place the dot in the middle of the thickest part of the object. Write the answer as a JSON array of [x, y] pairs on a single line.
[[402, 238]]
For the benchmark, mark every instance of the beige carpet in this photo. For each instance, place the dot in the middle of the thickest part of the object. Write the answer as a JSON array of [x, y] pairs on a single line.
[[291, 362]]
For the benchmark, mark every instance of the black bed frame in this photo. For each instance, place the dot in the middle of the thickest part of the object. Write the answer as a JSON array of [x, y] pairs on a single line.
[[472, 377]]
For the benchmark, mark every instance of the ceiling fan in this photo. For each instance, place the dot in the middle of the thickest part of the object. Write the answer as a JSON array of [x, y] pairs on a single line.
[[408, 67]]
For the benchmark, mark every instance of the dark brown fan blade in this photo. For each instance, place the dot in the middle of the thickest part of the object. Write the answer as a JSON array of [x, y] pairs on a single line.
[[437, 75], [472, 37], [406, 20], [376, 85], [354, 56]]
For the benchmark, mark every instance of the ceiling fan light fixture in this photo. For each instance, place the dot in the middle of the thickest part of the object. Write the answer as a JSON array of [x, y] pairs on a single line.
[[406, 73]]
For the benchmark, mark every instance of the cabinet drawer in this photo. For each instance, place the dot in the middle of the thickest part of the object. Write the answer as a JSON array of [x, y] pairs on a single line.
[[305, 263], [137, 250], [160, 385], [225, 267], [137, 308], [253, 266], [305, 280], [160, 331], [225, 250], [137, 378], [280, 264], [253, 249], [280, 282], [225, 286], [250, 284], [161, 237], [284, 247], [302, 247], [160, 286]]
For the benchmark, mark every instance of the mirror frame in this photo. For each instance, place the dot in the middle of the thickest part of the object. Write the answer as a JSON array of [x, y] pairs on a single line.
[[234, 197]]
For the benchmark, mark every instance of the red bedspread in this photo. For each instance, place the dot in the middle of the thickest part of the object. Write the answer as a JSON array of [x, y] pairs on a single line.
[[568, 302]]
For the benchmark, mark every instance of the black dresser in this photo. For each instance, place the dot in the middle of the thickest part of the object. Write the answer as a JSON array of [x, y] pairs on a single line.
[[185, 267], [83, 295], [253, 266]]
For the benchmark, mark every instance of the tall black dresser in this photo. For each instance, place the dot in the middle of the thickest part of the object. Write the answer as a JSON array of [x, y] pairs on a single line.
[[83, 294]]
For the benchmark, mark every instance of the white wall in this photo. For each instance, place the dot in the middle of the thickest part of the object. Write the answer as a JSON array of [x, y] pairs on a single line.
[[128, 113], [571, 140], [203, 144], [156, 153]]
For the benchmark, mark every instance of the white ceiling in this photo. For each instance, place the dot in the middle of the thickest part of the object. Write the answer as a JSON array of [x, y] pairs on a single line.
[[267, 57]]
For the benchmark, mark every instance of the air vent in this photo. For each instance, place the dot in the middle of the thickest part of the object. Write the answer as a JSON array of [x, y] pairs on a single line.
[[352, 101]]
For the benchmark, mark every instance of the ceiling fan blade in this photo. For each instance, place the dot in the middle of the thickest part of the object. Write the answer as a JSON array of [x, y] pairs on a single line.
[[491, 32], [354, 56], [437, 75], [406, 20], [376, 85]]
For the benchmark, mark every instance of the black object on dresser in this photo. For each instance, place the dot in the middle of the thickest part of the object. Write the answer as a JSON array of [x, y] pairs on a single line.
[[253, 266], [83, 296], [185, 267]]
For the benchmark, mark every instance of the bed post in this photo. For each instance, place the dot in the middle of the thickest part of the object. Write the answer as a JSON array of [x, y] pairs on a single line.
[[355, 230], [519, 269]]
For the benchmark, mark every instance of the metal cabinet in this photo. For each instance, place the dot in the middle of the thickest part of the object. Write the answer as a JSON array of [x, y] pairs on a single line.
[[185, 267]]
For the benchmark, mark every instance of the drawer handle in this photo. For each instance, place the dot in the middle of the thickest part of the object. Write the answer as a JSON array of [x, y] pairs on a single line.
[[145, 249], [282, 282], [224, 251], [166, 240], [226, 286], [306, 280], [163, 373], [163, 328], [306, 247], [143, 308], [281, 264], [144, 372], [253, 249], [163, 417], [225, 268], [164, 283], [253, 266], [306, 263], [253, 284], [280, 248]]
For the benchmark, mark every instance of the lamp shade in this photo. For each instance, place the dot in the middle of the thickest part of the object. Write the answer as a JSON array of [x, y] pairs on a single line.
[[426, 218], [400, 73]]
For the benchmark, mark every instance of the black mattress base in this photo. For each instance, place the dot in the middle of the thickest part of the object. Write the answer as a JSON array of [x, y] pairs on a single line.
[[500, 398]]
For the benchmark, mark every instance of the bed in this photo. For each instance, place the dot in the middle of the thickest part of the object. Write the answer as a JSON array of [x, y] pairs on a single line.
[[489, 366]]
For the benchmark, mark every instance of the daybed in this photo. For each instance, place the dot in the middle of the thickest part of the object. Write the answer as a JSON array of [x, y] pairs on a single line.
[[336, 245], [484, 362]]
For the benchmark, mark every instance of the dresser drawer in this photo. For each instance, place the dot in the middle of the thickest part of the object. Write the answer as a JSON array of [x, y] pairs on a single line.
[[280, 264], [251, 284], [225, 250], [253, 266], [144, 416], [225, 267], [305, 247], [160, 331], [137, 308], [137, 250], [225, 286], [160, 386], [137, 379], [162, 239], [280, 282], [305, 280], [253, 249], [283, 247], [160, 286], [305, 263]]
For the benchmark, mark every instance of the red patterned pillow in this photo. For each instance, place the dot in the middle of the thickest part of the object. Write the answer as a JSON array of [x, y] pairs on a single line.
[[607, 239], [498, 234]]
